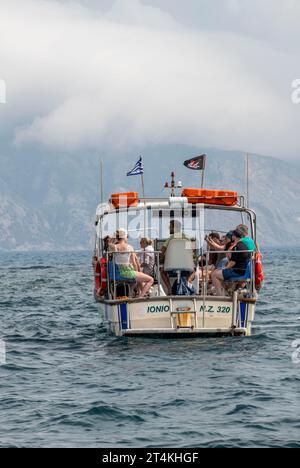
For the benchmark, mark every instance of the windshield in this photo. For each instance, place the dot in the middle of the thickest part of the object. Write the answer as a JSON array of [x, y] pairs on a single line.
[[192, 221]]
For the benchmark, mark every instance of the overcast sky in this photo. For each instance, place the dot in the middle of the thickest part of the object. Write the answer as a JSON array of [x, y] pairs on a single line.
[[87, 73]]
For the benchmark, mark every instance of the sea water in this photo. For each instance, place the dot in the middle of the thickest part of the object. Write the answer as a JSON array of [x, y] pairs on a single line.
[[64, 382]]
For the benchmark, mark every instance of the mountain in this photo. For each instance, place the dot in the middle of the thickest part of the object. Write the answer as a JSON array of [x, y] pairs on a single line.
[[48, 200]]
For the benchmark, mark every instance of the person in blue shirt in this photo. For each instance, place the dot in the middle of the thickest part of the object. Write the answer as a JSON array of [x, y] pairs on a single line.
[[248, 241]]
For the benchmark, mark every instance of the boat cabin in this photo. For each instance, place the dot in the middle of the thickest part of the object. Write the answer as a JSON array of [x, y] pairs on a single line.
[[181, 254]]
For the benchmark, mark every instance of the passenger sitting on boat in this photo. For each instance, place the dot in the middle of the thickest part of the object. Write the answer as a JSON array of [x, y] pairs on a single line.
[[246, 238], [202, 268], [236, 267], [175, 233], [213, 258], [220, 245], [147, 256], [202, 261], [128, 264], [214, 242], [229, 243], [107, 241]]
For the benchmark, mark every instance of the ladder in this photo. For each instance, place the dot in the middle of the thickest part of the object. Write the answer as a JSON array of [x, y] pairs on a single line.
[[176, 314]]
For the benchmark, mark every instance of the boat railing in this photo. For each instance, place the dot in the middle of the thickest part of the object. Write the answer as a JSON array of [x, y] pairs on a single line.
[[141, 200], [204, 270]]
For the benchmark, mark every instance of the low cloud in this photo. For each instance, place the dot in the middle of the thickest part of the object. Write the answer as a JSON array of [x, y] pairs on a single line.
[[273, 21], [79, 77]]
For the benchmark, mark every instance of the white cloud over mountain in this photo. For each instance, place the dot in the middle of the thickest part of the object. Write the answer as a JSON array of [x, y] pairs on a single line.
[[80, 77], [274, 21]]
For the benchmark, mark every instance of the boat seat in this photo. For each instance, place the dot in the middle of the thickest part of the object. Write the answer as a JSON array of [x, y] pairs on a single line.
[[179, 259], [179, 256], [246, 277], [115, 275], [117, 283]]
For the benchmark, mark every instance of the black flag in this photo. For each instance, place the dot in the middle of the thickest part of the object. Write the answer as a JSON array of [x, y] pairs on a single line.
[[196, 164]]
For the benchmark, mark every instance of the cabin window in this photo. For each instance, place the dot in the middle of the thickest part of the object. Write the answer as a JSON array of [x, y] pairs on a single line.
[[195, 220]]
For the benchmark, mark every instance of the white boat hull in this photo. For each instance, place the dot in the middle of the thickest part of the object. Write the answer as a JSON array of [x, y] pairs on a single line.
[[179, 316]]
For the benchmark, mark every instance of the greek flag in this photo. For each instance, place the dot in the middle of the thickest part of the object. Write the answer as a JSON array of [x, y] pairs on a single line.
[[138, 168]]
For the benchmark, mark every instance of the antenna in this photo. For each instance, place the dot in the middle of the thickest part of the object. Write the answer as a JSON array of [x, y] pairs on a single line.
[[248, 179], [101, 183], [173, 186]]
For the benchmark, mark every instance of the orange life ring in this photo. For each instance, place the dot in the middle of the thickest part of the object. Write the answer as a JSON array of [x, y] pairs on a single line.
[[259, 271], [101, 276]]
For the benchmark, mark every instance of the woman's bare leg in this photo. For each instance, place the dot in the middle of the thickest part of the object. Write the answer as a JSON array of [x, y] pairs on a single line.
[[146, 282], [166, 280], [218, 282]]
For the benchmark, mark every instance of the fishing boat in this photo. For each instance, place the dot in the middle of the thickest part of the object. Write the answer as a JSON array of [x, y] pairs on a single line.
[[193, 311]]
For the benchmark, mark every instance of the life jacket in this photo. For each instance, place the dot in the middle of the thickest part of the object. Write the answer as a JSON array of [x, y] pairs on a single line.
[[259, 271], [101, 276]]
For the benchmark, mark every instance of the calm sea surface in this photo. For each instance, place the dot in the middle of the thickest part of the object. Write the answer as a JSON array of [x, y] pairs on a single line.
[[66, 382]]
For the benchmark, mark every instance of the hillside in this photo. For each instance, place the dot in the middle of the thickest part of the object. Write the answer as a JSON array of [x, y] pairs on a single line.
[[47, 201]]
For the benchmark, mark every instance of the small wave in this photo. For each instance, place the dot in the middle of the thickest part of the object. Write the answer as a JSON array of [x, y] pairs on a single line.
[[29, 268], [174, 403], [112, 414], [243, 409]]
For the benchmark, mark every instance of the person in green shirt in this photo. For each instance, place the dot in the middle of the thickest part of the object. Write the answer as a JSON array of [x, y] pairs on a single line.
[[248, 241]]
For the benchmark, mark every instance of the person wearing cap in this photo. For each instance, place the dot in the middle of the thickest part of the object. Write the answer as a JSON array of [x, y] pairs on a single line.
[[219, 244], [225, 244], [237, 265], [127, 262]]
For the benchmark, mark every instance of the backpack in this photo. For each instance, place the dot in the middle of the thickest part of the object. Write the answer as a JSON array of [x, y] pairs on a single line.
[[184, 289]]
